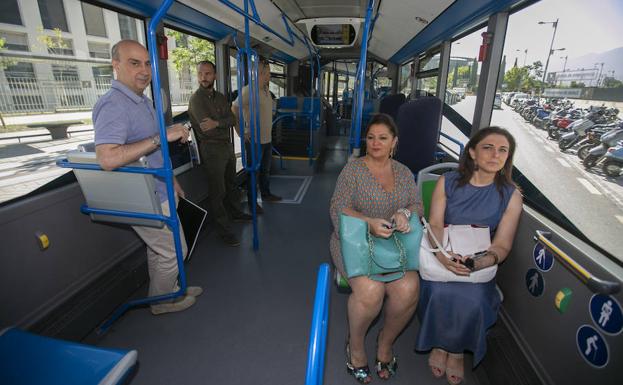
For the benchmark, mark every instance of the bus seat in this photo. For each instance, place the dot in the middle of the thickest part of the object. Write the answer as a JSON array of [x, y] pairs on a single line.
[[426, 180], [287, 104], [418, 123], [27, 358], [119, 191], [390, 104]]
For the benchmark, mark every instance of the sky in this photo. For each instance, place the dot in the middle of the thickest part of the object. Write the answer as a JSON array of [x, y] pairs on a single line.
[[584, 27]]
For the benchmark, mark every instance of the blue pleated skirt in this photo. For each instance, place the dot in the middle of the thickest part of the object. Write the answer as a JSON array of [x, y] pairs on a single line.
[[455, 316]]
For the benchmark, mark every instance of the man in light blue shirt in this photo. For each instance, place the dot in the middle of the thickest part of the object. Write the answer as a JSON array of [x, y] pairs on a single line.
[[125, 130]]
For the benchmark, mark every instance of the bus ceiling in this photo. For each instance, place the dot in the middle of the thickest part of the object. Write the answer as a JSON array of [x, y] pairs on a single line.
[[423, 23]]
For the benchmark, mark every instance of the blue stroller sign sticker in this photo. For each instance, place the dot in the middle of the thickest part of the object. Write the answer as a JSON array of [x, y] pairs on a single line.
[[592, 346], [534, 282], [543, 258], [606, 313]]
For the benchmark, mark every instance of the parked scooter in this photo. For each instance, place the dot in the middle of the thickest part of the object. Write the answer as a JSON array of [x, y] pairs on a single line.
[[613, 160], [596, 153]]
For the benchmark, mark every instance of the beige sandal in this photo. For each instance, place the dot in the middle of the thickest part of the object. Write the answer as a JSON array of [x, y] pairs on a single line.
[[455, 375], [437, 363]]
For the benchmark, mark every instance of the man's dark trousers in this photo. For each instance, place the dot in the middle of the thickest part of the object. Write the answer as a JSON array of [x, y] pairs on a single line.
[[218, 159]]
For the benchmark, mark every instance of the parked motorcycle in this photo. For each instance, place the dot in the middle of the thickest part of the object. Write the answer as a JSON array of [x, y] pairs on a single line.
[[613, 160], [595, 154]]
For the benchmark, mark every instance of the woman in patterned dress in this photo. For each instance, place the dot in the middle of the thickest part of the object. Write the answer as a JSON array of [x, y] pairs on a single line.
[[380, 191]]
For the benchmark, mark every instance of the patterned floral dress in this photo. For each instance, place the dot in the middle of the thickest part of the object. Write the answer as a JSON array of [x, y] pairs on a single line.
[[358, 189]]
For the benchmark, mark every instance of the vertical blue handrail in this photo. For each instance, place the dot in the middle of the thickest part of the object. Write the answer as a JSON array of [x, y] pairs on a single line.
[[360, 82], [166, 172], [319, 326], [252, 60]]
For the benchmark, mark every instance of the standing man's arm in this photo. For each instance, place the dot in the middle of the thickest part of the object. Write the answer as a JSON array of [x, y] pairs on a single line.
[[243, 97], [112, 156]]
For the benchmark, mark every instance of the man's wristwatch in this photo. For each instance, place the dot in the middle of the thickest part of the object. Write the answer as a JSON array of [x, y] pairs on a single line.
[[156, 140]]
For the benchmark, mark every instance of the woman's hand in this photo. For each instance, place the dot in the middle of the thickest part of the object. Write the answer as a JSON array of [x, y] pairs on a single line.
[[380, 227], [401, 222], [455, 265]]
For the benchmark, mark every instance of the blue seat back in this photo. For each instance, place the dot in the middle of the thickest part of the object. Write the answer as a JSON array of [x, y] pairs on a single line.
[[419, 122], [27, 358], [287, 103], [390, 105]]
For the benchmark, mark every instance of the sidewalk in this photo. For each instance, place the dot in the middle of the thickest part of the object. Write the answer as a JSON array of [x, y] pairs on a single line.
[[60, 116]]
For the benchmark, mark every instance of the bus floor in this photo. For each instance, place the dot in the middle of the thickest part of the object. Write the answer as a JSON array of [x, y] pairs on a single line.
[[251, 325]]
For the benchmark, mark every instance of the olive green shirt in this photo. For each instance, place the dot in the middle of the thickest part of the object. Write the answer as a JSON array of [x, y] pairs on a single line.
[[211, 104]]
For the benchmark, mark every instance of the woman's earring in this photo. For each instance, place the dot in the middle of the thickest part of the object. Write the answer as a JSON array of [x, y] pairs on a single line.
[[502, 172]]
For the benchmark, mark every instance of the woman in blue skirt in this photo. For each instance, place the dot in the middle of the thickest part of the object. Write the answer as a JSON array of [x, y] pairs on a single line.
[[455, 316]]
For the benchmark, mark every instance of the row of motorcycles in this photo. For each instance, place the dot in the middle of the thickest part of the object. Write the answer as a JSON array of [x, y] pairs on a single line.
[[595, 133]]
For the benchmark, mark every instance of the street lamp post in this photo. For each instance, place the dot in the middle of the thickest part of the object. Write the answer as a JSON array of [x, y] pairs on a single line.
[[599, 76], [525, 51], [551, 46], [564, 67]]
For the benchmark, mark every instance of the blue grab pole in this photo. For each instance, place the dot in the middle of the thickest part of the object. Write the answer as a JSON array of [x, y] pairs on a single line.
[[153, 54], [165, 172], [359, 92], [318, 334]]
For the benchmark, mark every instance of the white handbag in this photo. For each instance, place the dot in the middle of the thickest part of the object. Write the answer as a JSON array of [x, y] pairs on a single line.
[[460, 239]]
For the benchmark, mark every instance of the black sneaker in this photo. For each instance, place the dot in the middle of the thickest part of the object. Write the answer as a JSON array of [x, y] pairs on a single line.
[[271, 198], [230, 240], [242, 217]]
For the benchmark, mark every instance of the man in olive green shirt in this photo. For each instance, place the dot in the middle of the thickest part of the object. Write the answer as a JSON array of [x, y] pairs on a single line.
[[211, 118]]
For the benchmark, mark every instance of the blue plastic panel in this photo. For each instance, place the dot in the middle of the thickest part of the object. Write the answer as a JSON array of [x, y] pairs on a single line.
[[27, 358]]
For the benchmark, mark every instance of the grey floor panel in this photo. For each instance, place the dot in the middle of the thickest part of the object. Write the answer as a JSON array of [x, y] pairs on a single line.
[[251, 325]]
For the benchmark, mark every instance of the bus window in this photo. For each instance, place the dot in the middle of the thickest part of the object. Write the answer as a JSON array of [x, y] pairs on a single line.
[[463, 74], [185, 51], [581, 73], [406, 72], [277, 79], [48, 88]]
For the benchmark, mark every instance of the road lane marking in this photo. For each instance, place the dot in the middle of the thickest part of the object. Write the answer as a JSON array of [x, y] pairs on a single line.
[[563, 162], [548, 148], [620, 218], [591, 189]]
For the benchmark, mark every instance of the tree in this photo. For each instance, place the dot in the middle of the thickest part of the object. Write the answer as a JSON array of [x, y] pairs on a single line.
[[610, 82], [54, 44], [536, 69], [577, 85], [189, 51], [473, 75], [514, 78]]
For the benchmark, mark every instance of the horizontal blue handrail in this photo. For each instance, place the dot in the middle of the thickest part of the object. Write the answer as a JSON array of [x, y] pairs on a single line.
[[318, 335], [133, 170], [256, 19], [456, 141]]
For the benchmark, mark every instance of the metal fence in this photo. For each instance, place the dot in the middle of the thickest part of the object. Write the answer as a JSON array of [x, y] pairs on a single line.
[[31, 92]]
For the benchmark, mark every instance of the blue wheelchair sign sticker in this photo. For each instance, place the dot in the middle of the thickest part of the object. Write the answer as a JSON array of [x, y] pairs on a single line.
[[592, 346], [606, 313], [543, 258], [535, 282]]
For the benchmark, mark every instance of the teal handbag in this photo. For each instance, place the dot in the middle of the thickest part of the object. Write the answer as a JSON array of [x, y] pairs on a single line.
[[380, 259]]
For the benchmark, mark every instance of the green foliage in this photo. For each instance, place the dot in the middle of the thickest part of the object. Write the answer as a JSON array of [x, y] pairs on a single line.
[[54, 44], [189, 50], [527, 78], [610, 82]]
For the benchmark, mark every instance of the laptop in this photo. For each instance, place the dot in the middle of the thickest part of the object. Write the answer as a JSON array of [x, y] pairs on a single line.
[[192, 218]]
